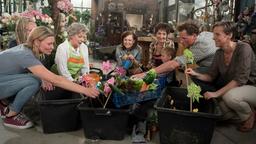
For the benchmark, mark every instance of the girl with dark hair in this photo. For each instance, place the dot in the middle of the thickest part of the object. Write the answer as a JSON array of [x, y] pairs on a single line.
[[161, 33]]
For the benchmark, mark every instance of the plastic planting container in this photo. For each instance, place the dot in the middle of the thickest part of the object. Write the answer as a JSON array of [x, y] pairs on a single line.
[[103, 123], [58, 111], [180, 126]]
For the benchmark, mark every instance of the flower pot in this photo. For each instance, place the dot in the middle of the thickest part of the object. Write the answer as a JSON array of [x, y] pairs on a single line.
[[178, 125]]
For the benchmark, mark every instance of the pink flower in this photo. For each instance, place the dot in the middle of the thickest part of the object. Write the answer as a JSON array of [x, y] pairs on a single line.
[[120, 71], [111, 81], [106, 66], [40, 19], [107, 89], [65, 6], [86, 81]]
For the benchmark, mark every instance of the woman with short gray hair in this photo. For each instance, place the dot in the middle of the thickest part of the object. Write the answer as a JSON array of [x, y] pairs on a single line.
[[76, 28], [71, 57]]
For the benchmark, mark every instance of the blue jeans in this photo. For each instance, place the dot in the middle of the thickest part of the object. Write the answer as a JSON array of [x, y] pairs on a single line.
[[21, 87]]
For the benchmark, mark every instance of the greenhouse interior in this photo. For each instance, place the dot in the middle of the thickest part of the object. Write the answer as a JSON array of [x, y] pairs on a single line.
[[128, 71]]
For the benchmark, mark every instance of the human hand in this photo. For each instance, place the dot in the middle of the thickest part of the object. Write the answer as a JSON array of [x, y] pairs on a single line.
[[209, 95], [190, 71], [131, 57], [140, 75], [125, 57], [91, 92], [47, 86]]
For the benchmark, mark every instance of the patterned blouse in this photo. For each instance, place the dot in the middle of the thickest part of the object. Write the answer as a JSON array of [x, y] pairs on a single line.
[[155, 59]]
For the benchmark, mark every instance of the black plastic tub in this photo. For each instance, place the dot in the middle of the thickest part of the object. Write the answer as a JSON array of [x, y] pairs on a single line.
[[58, 111], [179, 125], [103, 123]]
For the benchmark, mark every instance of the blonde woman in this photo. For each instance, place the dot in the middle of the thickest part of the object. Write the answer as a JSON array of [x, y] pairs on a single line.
[[23, 27], [60, 29], [21, 73]]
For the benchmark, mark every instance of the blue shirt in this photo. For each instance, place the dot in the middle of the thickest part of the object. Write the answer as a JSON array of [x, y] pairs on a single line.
[[120, 52]]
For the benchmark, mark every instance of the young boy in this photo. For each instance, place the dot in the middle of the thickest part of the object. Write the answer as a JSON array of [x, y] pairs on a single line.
[[167, 53]]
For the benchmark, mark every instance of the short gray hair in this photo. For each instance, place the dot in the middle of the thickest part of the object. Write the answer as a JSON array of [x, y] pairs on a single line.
[[76, 28]]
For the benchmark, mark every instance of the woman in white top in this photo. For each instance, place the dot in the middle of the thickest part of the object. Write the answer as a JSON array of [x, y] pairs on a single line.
[[71, 57]]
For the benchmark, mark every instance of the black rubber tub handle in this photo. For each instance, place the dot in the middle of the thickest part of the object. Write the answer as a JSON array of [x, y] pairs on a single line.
[[103, 113]]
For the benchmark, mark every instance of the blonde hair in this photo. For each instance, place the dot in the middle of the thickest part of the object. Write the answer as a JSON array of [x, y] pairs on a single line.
[[40, 33], [20, 29], [57, 26], [169, 51]]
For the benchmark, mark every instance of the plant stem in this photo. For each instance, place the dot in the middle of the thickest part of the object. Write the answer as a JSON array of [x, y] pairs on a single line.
[[107, 99], [190, 98]]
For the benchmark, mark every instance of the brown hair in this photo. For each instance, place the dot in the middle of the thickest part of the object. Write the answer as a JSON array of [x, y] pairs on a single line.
[[20, 29], [57, 27], [125, 34], [163, 26], [40, 33], [229, 27], [190, 27]]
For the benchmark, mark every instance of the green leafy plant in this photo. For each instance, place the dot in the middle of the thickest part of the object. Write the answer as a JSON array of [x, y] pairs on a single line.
[[150, 76], [193, 89], [77, 14], [47, 10], [194, 92], [189, 56], [85, 16]]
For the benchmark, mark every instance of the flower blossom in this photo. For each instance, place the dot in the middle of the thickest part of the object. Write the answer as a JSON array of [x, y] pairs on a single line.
[[106, 66], [65, 5]]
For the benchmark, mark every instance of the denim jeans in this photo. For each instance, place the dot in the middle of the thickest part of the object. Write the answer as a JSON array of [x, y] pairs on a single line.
[[21, 87]]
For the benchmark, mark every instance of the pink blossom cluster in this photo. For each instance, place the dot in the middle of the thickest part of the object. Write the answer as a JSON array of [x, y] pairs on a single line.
[[120, 71], [7, 19], [65, 6], [107, 88], [38, 17], [106, 67]]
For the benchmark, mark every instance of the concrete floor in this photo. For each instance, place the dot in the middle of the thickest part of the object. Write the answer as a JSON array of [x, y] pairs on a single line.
[[223, 134]]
